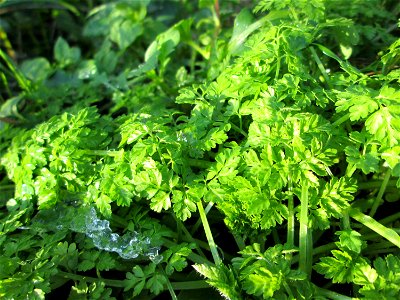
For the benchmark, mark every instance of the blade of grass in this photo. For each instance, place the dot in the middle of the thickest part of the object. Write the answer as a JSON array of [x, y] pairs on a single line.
[[198, 223], [374, 225], [207, 230], [22, 81], [305, 247]]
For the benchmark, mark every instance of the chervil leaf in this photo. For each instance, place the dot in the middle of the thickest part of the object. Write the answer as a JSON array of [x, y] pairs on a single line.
[[183, 206], [342, 267], [336, 195], [383, 282], [264, 274], [385, 125], [350, 240], [359, 103], [368, 162], [222, 278], [160, 201], [156, 283]]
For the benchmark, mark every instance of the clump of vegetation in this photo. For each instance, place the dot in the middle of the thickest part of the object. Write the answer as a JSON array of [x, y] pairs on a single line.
[[153, 148]]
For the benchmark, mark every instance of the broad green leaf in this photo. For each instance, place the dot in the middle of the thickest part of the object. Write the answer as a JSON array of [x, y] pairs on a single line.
[[87, 69], [37, 69], [242, 22], [125, 33], [64, 54], [10, 107], [245, 27]]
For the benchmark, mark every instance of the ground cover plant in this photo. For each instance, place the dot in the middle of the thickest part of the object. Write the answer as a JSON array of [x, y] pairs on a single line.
[[200, 149]]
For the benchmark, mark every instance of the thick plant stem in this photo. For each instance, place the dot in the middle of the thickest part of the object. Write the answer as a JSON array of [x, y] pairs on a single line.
[[333, 295], [305, 250], [207, 230], [375, 184], [374, 225], [378, 199], [290, 229]]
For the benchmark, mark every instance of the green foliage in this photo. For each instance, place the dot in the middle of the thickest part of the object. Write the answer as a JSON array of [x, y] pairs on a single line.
[[127, 118], [222, 278]]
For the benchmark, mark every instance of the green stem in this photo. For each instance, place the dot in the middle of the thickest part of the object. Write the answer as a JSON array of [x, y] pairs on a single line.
[[186, 285], [378, 246], [288, 290], [189, 238], [374, 225], [375, 184], [387, 220], [320, 66], [316, 251], [238, 129], [305, 253], [109, 282], [207, 230], [341, 120], [380, 251], [275, 236], [290, 229], [206, 55], [239, 241], [346, 221], [169, 286], [7, 187], [6, 85], [378, 199], [190, 285], [333, 295], [324, 248], [198, 223], [390, 219], [216, 16]]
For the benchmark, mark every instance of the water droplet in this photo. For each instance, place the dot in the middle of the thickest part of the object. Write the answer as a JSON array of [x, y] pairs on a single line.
[[156, 259]]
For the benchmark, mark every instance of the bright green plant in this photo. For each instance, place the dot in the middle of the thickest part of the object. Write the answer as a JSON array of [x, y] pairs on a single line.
[[254, 152]]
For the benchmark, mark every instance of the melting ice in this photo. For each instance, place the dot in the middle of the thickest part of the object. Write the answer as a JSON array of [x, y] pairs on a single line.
[[128, 246]]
